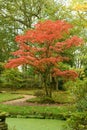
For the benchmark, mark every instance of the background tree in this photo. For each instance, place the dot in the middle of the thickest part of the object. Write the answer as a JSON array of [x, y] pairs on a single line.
[[79, 20], [16, 17]]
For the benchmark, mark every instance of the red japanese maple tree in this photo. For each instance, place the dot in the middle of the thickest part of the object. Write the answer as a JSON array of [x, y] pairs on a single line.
[[41, 48]]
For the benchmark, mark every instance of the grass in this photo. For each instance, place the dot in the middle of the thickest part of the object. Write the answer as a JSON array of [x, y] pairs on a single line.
[[34, 124], [20, 91], [9, 96], [56, 112]]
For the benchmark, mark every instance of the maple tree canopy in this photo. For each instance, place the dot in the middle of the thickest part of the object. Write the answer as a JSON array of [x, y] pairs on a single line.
[[42, 46]]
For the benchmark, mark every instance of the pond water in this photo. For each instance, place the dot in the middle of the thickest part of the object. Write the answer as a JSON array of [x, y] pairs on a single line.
[[34, 124]]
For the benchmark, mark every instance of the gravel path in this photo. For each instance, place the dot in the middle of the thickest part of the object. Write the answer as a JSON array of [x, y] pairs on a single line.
[[19, 102]]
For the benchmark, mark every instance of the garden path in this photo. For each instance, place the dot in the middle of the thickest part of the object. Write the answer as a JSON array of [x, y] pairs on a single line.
[[19, 102]]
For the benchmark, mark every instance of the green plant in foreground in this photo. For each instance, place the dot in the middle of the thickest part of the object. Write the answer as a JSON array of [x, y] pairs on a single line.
[[53, 112], [78, 121], [80, 93], [78, 90]]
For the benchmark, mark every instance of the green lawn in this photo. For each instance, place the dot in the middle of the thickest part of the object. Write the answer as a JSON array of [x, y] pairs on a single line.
[[9, 96], [35, 124], [44, 112]]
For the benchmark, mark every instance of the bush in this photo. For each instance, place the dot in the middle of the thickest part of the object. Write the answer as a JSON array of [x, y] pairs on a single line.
[[41, 100], [78, 121], [1, 67], [80, 93], [47, 100], [12, 78], [78, 90], [39, 93]]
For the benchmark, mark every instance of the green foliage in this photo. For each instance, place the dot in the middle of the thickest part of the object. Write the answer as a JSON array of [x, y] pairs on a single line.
[[60, 97], [17, 17], [80, 92], [1, 67], [81, 74], [30, 83], [47, 100], [39, 93], [85, 71], [12, 78], [63, 66], [63, 97], [78, 121], [78, 89], [41, 100], [1, 71]]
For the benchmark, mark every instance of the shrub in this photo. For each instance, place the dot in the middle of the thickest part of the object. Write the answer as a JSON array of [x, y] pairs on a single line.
[[78, 121], [12, 78], [47, 100], [78, 89], [39, 93], [1, 67], [41, 100], [80, 93]]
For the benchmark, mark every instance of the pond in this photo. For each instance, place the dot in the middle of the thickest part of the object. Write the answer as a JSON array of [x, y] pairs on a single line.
[[34, 124]]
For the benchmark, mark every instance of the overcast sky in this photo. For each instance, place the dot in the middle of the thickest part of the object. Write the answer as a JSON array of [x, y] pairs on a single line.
[[65, 2]]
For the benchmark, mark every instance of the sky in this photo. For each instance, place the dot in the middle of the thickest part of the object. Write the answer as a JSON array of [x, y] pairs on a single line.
[[65, 2]]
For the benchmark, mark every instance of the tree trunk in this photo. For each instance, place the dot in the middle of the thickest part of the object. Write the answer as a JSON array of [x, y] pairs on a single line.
[[56, 85], [46, 89], [56, 81]]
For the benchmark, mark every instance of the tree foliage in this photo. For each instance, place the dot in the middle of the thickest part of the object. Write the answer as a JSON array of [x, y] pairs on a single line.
[[16, 17], [79, 20], [46, 43]]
